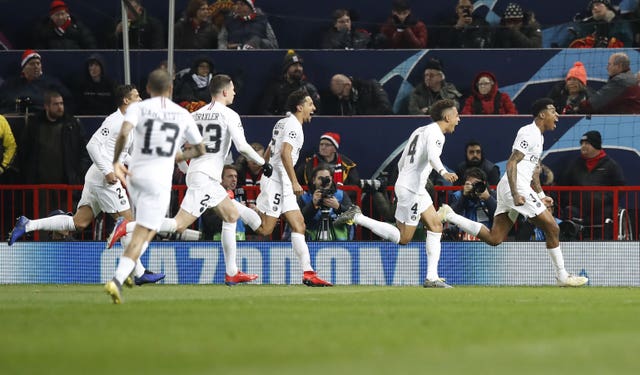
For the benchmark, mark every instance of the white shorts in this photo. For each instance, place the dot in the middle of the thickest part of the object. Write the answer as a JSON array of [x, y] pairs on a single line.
[[532, 207], [275, 199], [411, 205], [104, 198], [150, 200], [203, 192]]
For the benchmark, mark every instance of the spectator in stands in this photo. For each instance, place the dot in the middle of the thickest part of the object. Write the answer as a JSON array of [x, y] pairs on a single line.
[[249, 174], [474, 158], [62, 31], [8, 149], [145, 31], [321, 204], [476, 201], [249, 28], [341, 35], [53, 146], [568, 95], [593, 168], [486, 99], [292, 78], [95, 91], [621, 93], [210, 222], [466, 30], [402, 29], [604, 29], [220, 11], [518, 29], [195, 30], [344, 169], [27, 90], [351, 96], [431, 89], [194, 85]]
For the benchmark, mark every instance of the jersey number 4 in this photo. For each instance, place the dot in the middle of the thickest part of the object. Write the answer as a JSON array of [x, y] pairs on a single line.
[[170, 129]]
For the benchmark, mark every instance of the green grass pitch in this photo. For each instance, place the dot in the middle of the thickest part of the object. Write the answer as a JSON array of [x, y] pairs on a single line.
[[260, 329]]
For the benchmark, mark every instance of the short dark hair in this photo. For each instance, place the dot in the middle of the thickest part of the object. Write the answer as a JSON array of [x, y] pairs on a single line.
[[192, 8], [438, 108], [159, 81], [339, 13], [321, 167], [122, 91], [228, 166], [50, 94], [476, 173], [540, 105], [218, 83], [295, 99]]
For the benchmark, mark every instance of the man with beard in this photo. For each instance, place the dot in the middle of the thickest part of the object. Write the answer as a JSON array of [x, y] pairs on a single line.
[[475, 158], [293, 78]]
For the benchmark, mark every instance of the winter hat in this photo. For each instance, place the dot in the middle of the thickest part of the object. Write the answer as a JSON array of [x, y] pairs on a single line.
[[56, 6], [607, 3], [513, 11], [291, 58], [579, 72], [28, 55], [434, 64], [594, 138], [251, 4], [333, 138], [400, 5]]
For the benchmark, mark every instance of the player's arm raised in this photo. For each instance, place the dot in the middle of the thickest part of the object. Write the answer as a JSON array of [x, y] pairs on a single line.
[[512, 176]]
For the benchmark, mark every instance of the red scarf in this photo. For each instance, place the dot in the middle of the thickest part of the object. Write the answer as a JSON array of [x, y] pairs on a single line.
[[592, 162], [337, 168]]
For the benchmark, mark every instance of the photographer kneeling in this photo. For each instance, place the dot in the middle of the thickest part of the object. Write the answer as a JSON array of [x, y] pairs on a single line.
[[321, 204], [476, 201]]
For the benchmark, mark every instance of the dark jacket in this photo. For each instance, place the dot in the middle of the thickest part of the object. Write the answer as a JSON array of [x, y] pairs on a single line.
[[353, 39], [19, 87], [341, 165], [76, 36], [186, 36], [187, 89], [563, 104], [528, 36], [495, 102], [313, 215], [274, 100], [255, 32], [76, 159], [412, 33], [603, 32], [367, 98], [145, 32], [423, 97], [95, 98], [477, 35], [492, 171], [620, 95]]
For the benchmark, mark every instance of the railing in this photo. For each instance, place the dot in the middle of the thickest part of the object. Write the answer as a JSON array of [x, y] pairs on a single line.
[[599, 212]]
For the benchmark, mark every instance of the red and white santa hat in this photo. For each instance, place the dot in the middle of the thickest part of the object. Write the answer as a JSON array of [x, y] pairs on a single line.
[[28, 55], [333, 138], [56, 6], [251, 4]]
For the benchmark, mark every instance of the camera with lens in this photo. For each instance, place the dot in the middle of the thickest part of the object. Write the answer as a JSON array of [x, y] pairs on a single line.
[[374, 184], [326, 189], [479, 187]]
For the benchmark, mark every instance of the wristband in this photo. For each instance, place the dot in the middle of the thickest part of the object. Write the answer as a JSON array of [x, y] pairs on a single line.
[[440, 172], [541, 195]]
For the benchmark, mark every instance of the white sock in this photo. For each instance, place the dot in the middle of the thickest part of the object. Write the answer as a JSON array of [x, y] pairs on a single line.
[[229, 247], [558, 263], [301, 250], [168, 225], [53, 223], [249, 216], [189, 235], [139, 270], [433, 255], [125, 266], [382, 229], [469, 226], [131, 226], [126, 240]]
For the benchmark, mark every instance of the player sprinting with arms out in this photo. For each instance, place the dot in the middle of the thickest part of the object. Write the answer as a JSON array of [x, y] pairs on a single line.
[[159, 125], [519, 192], [219, 125], [421, 155]]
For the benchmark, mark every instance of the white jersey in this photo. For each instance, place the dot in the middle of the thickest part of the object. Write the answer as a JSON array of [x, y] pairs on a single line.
[[219, 126], [101, 147], [159, 126], [420, 156], [287, 130], [529, 141]]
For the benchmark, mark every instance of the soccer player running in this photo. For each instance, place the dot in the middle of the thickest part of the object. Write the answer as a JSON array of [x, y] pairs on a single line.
[[421, 155], [278, 192], [102, 191], [159, 125], [519, 192], [219, 125]]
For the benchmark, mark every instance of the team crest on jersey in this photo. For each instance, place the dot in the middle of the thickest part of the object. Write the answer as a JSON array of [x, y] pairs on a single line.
[[538, 204], [274, 208], [292, 135], [414, 217], [104, 131], [524, 144], [123, 202]]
